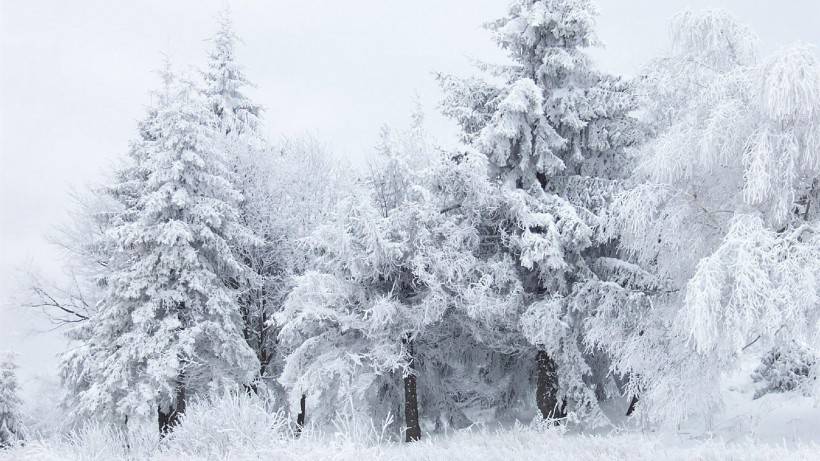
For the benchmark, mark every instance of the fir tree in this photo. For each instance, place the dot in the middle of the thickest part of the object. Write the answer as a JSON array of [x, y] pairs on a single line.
[[11, 425], [557, 134], [168, 326], [225, 80]]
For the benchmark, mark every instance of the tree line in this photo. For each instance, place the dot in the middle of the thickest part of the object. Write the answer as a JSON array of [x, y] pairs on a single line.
[[594, 242]]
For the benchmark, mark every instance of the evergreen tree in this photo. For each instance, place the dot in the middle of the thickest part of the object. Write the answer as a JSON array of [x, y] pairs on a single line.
[[168, 326], [225, 80], [557, 135], [11, 425]]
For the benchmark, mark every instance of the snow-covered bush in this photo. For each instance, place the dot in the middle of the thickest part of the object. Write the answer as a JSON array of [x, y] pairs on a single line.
[[786, 367], [353, 427], [215, 427], [231, 426]]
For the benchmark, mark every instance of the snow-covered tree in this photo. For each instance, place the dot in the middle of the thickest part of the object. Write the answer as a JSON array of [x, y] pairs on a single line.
[[168, 325], [342, 323], [400, 156], [726, 212], [11, 424], [225, 81], [288, 191], [265, 177], [249, 158], [557, 134], [358, 325]]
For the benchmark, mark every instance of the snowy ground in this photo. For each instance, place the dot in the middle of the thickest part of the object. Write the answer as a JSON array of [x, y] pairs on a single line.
[[468, 446], [777, 427]]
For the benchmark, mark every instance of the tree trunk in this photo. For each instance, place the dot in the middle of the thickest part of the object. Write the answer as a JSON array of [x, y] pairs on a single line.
[[632, 404], [264, 355], [126, 433], [300, 418], [411, 406], [546, 392], [170, 417]]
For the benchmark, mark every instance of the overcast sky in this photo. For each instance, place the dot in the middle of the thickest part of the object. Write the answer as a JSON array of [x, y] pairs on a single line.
[[75, 75]]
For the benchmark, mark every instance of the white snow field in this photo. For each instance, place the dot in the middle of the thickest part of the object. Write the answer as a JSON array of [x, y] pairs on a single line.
[[465, 445], [776, 427]]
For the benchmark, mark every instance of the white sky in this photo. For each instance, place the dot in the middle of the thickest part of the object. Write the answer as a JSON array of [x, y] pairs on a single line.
[[74, 78]]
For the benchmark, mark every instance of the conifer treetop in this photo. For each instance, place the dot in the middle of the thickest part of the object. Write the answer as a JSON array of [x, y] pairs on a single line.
[[225, 82]]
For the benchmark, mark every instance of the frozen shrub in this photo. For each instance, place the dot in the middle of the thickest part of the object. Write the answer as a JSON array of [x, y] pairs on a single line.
[[217, 427], [355, 429], [784, 368]]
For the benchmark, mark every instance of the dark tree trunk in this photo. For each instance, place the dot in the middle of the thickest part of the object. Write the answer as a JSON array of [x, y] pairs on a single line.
[[546, 391], [632, 404], [256, 333], [170, 417], [164, 420], [264, 355], [126, 433], [411, 405], [300, 418]]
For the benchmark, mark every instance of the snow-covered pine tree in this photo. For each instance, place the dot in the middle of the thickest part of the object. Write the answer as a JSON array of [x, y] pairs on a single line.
[[400, 156], [225, 80], [11, 424], [450, 203], [726, 212], [168, 326], [556, 133]]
